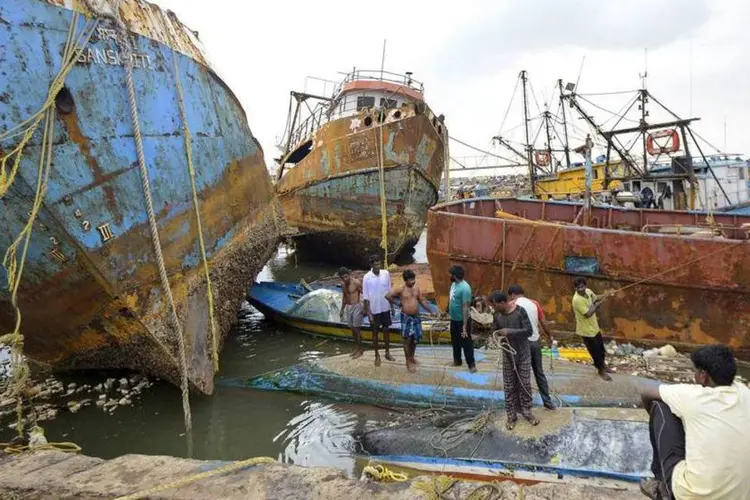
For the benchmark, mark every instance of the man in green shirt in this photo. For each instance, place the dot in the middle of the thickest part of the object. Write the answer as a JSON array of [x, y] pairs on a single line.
[[585, 304], [458, 307]]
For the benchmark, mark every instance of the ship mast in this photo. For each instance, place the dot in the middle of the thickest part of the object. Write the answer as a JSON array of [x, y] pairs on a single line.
[[632, 169], [547, 116], [532, 177], [566, 148]]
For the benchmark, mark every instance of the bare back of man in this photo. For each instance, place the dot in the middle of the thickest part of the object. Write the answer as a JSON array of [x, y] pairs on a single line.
[[351, 308]]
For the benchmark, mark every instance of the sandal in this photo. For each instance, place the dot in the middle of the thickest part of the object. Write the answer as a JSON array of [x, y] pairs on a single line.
[[510, 424], [532, 420]]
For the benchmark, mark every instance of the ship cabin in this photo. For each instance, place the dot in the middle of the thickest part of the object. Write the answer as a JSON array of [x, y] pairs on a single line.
[[382, 94], [728, 171]]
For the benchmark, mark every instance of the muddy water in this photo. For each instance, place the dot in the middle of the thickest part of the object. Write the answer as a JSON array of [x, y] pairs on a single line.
[[235, 423]]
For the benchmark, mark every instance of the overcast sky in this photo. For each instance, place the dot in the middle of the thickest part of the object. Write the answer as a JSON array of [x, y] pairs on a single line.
[[469, 54]]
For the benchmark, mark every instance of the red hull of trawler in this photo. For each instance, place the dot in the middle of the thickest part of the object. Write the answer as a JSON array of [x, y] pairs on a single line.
[[670, 286]]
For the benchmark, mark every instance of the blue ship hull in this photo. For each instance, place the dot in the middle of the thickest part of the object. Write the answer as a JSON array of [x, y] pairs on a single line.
[[90, 294]]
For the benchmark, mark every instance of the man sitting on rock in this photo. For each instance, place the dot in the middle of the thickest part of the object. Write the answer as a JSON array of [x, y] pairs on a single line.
[[700, 433]]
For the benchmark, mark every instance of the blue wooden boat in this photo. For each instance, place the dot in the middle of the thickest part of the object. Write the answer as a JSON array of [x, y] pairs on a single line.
[[91, 294], [437, 383], [277, 302]]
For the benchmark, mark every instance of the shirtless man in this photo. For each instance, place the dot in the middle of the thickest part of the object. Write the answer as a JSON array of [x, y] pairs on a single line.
[[411, 323], [351, 308]]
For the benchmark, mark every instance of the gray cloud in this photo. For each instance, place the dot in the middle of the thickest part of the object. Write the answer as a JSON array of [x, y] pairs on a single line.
[[512, 27]]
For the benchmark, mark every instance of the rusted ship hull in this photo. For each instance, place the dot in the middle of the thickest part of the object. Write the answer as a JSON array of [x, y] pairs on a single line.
[[90, 294], [333, 195], [682, 290]]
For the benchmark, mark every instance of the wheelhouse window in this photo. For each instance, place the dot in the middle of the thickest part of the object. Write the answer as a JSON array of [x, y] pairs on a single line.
[[364, 102], [388, 103]]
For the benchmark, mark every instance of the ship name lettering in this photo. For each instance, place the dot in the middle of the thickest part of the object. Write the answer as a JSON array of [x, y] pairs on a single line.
[[112, 57], [106, 34]]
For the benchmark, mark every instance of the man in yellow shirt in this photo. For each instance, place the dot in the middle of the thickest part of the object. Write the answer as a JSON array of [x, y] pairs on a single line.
[[585, 304], [700, 433]]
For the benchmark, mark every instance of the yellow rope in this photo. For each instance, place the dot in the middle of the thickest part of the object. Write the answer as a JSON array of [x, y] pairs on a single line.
[[383, 213], [191, 168], [155, 240], [65, 446], [13, 267], [380, 472], [234, 466]]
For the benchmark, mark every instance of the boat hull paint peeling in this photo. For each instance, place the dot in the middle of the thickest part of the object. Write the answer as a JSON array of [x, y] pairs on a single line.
[[687, 291], [91, 295], [332, 196]]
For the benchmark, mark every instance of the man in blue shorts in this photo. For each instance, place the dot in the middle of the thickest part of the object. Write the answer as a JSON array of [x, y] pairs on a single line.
[[411, 322]]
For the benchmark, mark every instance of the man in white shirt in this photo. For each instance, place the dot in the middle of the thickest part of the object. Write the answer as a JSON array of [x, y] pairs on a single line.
[[375, 285], [700, 433], [536, 317]]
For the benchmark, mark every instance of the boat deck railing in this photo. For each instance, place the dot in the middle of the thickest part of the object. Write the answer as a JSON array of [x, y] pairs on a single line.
[[376, 75], [681, 223], [322, 112]]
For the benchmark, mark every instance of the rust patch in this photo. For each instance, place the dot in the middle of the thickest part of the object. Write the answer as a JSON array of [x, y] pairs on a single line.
[[84, 146], [695, 303]]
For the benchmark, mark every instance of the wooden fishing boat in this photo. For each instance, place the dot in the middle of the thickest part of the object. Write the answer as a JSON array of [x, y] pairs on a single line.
[[679, 277], [277, 302], [374, 146], [606, 447], [439, 384]]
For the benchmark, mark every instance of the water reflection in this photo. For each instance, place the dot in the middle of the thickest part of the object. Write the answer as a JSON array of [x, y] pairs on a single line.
[[234, 423], [320, 436]]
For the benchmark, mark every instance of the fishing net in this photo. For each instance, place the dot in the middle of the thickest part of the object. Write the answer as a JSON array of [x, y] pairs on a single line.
[[319, 305]]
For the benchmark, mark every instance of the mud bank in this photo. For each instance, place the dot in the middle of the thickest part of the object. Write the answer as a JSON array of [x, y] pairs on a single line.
[[50, 474]]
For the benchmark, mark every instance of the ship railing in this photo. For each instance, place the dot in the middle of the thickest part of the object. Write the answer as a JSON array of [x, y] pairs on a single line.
[[313, 122], [377, 75], [321, 114]]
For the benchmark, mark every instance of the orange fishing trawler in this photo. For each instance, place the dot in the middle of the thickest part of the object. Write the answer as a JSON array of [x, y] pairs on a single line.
[[677, 277], [360, 171]]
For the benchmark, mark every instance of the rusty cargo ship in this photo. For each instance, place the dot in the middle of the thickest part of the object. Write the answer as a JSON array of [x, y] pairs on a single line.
[[90, 294], [677, 277], [375, 146]]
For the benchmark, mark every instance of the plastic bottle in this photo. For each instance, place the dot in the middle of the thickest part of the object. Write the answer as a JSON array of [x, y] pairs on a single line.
[[555, 350]]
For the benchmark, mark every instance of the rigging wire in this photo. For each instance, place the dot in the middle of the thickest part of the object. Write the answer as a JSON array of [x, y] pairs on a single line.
[[616, 92], [510, 104], [607, 110], [478, 149]]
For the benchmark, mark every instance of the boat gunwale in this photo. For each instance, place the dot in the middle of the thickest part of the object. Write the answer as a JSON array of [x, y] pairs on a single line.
[[285, 315], [441, 209]]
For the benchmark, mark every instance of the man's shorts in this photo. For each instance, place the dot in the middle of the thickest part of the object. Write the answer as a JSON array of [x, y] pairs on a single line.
[[354, 315], [411, 327], [382, 319]]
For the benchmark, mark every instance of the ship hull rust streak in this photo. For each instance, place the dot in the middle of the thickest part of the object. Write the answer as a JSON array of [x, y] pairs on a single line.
[[332, 196], [91, 296], [696, 304]]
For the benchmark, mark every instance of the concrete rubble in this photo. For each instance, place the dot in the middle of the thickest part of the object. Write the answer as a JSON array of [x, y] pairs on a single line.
[[51, 474]]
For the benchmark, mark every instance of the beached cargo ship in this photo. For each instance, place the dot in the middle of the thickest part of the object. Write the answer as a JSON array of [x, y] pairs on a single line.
[[91, 294], [374, 138], [677, 277]]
